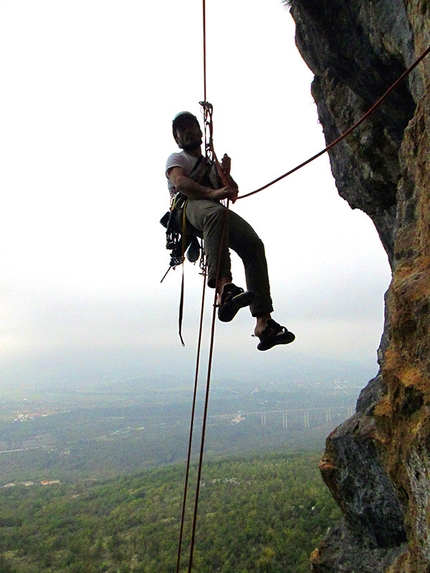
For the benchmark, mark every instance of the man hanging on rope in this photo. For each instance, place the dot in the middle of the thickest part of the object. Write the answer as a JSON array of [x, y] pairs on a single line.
[[190, 174]]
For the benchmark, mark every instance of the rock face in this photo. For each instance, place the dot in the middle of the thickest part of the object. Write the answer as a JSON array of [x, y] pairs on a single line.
[[377, 464]]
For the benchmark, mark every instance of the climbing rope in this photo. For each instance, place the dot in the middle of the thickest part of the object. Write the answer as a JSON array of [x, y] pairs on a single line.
[[348, 131], [204, 49], [210, 156], [190, 440]]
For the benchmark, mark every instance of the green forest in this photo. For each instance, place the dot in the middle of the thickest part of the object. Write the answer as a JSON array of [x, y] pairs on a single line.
[[259, 513]]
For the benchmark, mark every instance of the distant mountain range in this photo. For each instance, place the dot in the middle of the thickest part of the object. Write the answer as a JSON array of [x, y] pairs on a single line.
[[128, 369]]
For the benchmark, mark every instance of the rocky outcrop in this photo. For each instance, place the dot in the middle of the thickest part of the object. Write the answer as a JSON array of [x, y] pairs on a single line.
[[377, 464]]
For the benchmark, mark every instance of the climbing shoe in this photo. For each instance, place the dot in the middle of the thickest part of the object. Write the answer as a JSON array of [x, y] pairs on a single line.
[[274, 334], [233, 298]]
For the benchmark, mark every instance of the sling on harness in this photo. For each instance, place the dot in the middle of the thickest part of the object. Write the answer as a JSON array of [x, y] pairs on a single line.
[[181, 239]]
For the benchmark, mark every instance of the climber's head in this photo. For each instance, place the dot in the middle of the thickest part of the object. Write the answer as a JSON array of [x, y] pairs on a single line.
[[186, 131]]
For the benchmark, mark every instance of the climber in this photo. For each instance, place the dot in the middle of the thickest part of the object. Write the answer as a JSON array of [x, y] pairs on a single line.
[[191, 175]]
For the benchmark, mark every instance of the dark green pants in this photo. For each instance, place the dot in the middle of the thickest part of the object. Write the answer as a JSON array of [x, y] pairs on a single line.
[[208, 219]]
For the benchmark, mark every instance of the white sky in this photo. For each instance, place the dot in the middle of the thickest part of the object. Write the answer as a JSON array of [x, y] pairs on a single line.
[[89, 89]]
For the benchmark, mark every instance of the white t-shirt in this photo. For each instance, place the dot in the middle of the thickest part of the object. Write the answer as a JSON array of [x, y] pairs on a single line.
[[179, 159]]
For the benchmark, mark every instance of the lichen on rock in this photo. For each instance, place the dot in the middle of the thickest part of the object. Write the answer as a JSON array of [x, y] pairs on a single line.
[[377, 464]]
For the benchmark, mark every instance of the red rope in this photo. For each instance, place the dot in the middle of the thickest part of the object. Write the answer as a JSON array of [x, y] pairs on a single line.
[[193, 412], [204, 50], [348, 131], [202, 442]]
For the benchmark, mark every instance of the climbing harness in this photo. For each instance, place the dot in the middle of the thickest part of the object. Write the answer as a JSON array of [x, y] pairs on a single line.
[[181, 237]]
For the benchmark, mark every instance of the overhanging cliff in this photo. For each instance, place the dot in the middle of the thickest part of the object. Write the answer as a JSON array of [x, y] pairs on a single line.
[[377, 464]]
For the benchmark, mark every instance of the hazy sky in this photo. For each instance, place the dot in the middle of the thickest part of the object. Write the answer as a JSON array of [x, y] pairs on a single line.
[[89, 89]]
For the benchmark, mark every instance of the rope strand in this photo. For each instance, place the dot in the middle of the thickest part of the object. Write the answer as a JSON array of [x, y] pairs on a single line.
[[204, 49], [206, 404], [193, 412], [348, 131]]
